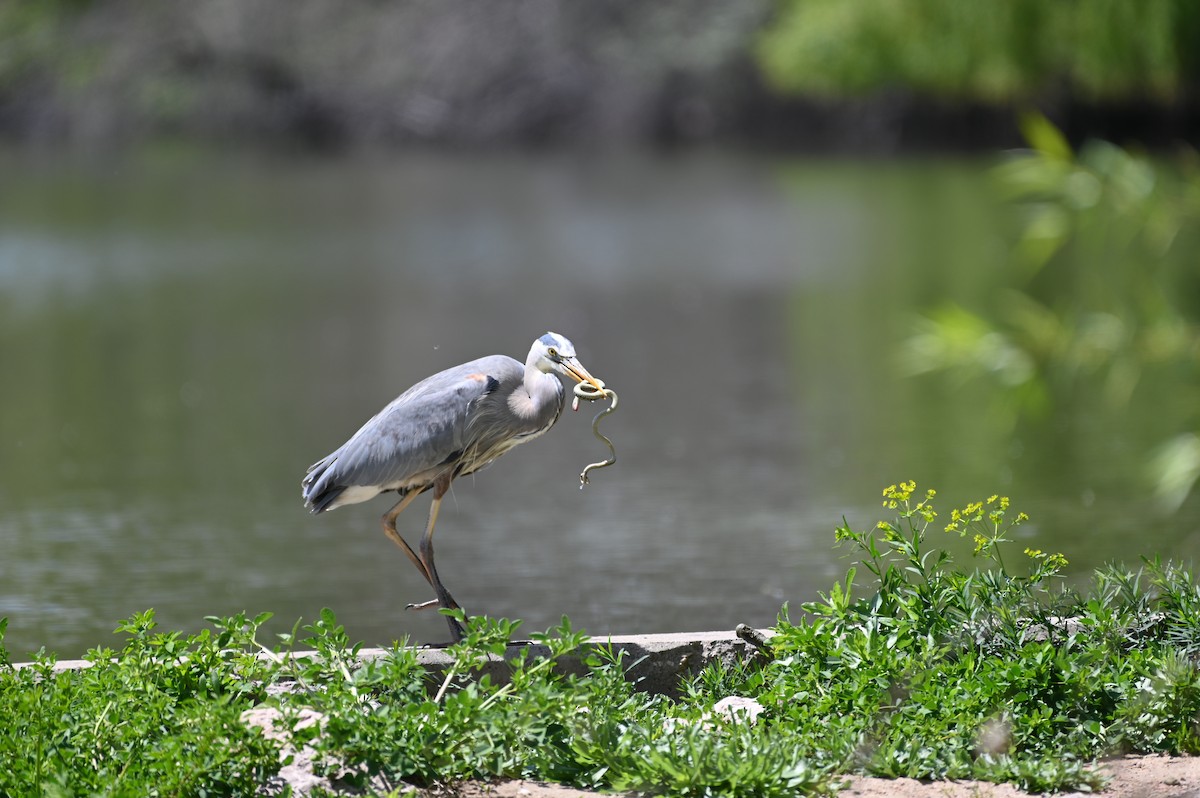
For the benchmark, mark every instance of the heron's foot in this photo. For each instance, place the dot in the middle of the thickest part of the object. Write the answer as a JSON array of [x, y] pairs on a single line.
[[432, 604], [456, 628]]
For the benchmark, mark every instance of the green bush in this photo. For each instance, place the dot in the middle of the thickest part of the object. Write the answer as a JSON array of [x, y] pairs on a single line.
[[997, 50]]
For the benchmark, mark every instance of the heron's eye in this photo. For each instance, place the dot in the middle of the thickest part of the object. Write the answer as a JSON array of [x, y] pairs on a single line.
[[553, 353]]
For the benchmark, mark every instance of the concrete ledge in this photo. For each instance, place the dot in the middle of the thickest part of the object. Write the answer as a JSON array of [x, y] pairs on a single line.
[[655, 663]]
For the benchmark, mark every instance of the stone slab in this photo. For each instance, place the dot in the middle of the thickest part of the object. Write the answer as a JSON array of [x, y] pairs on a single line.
[[656, 663]]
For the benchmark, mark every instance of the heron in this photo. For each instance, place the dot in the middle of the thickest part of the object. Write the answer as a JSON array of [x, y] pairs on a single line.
[[446, 426]]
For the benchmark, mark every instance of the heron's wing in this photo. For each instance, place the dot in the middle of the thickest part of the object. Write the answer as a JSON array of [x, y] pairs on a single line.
[[424, 429]]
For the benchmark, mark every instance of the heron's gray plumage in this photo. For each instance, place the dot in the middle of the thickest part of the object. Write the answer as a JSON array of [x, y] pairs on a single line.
[[456, 421]]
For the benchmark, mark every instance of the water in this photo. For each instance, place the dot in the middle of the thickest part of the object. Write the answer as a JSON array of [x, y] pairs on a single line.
[[182, 333]]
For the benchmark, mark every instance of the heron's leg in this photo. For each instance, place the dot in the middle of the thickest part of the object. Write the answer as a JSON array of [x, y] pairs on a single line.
[[389, 529], [444, 597]]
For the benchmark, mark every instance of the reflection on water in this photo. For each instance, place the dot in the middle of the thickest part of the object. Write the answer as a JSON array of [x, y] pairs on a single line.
[[182, 334]]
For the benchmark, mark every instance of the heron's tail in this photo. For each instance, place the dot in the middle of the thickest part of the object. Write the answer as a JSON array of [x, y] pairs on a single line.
[[318, 488]]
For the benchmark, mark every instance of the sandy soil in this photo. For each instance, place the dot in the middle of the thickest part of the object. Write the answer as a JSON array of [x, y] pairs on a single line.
[[1132, 777]]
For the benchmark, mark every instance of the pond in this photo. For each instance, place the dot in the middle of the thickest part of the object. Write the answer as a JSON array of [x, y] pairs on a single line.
[[183, 332]]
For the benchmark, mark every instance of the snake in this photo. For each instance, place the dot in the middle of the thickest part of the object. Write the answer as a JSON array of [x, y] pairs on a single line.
[[591, 393]]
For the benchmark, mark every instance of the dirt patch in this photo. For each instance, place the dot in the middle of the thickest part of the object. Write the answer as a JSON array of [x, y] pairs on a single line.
[[1132, 777], [520, 789]]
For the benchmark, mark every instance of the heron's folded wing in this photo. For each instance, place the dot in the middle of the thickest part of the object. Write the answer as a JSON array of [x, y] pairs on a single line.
[[422, 429]]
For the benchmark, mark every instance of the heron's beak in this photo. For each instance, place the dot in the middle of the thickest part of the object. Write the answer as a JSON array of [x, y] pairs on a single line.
[[578, 373]]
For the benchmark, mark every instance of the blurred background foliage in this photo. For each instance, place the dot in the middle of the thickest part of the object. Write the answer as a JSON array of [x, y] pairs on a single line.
[[992, 51], [861, 75], [1102, 298], [327, 73]]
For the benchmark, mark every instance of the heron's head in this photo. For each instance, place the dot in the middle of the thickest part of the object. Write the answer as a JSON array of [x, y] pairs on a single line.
[[554, 354]]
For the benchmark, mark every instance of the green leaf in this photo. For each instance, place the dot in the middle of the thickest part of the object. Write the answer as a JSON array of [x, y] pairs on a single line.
[[1044, 137]]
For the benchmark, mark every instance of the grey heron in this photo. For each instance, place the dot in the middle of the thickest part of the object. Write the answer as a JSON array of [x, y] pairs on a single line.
[[448, 425]]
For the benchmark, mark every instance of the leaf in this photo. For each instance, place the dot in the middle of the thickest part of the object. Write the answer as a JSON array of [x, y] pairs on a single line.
[[1044, 137], [1175, 470]]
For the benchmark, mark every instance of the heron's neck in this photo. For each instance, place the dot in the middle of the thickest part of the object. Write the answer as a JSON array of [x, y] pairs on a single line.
[[541, 390]]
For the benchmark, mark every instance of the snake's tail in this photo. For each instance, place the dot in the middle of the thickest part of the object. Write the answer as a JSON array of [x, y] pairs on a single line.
[[612, 450]]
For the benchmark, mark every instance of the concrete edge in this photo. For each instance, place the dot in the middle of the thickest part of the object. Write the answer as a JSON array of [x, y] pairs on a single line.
[[655, 663]]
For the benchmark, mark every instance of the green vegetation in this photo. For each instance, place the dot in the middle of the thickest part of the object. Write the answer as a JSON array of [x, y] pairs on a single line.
[[992, 674], [1001, 673], [994, 51]]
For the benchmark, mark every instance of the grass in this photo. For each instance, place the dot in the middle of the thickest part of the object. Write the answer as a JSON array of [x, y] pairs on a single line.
[[996, 672]]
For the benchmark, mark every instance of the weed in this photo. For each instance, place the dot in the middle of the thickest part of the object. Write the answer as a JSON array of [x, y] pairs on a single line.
[[160, 718], [988, 673]]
